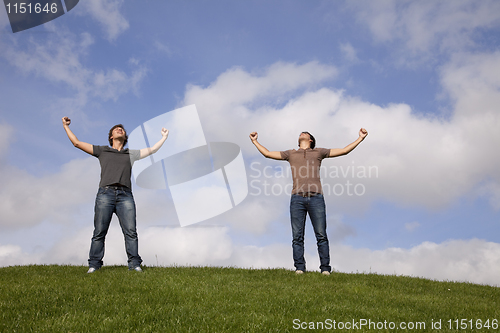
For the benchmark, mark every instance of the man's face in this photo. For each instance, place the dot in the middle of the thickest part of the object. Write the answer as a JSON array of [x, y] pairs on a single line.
[[305, 137], [118, 132]]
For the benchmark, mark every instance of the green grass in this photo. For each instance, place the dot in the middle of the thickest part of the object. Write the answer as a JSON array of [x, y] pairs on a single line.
[[211, 299]]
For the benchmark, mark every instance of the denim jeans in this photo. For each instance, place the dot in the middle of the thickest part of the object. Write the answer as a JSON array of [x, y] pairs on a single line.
[[315, 206], [118, 200]]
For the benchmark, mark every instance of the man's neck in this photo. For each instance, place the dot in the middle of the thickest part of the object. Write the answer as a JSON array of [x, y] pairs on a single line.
[[118, 145], [304, 146]]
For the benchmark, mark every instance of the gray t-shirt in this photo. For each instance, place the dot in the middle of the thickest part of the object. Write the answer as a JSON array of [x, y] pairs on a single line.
[[116, 166]]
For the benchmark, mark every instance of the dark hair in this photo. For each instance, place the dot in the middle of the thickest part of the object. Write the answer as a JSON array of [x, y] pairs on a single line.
[[313, 143], [111, 133]]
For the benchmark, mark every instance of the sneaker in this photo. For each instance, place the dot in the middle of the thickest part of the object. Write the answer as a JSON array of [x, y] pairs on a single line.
[[299, 272], [137, 269], [325, 273], [91, 270]]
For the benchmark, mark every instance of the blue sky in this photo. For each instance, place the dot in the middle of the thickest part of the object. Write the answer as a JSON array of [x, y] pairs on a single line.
[[421, 76]]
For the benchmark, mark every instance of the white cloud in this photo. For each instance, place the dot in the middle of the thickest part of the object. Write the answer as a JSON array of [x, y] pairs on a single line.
[[12, 255], [491, 190], [186, 246], [421, 161], [337, 229], [6, 132], [107, 14], [425, 26], [349, 52], [114, 83], [494, 196], [473, 260], [26, 200], [473, 83], [255, 214], [154, 207], [410, 226], [59, 60], [237, 86], [163, 48], [65, 195]]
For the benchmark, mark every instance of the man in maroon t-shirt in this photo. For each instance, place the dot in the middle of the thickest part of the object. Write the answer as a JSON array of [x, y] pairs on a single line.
[[307, 194]]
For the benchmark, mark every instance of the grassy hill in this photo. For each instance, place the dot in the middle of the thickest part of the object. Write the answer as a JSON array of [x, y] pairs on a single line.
[[208, 299]]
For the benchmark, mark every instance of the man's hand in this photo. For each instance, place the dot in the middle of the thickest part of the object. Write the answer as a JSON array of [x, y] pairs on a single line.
[[164, 132], [363, 133], [254, 136], [66, 121]]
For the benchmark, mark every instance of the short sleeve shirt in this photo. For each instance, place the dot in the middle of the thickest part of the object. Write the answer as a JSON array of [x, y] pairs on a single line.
[[116, 165], [305, 165]]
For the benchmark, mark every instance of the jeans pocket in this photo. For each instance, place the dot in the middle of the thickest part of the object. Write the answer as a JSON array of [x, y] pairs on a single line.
[[128, 192]]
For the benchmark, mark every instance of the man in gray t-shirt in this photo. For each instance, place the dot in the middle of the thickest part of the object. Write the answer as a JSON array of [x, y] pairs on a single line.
[[115, 191], [307, 193]]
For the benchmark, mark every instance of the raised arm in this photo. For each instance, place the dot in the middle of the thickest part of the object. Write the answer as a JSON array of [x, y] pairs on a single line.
[[276, 155], [334, 152], [145, 152], [86, 147]]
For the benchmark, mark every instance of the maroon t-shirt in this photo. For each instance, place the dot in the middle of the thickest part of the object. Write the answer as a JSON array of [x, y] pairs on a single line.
[[305, 165]]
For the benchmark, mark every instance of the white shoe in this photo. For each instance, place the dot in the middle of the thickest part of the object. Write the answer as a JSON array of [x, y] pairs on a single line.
[[299, 272], [91, 270], [137, 269], [325, 273]]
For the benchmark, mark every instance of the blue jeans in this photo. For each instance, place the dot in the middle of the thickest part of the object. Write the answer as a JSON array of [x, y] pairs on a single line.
[[315, 206], [118, 200]]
